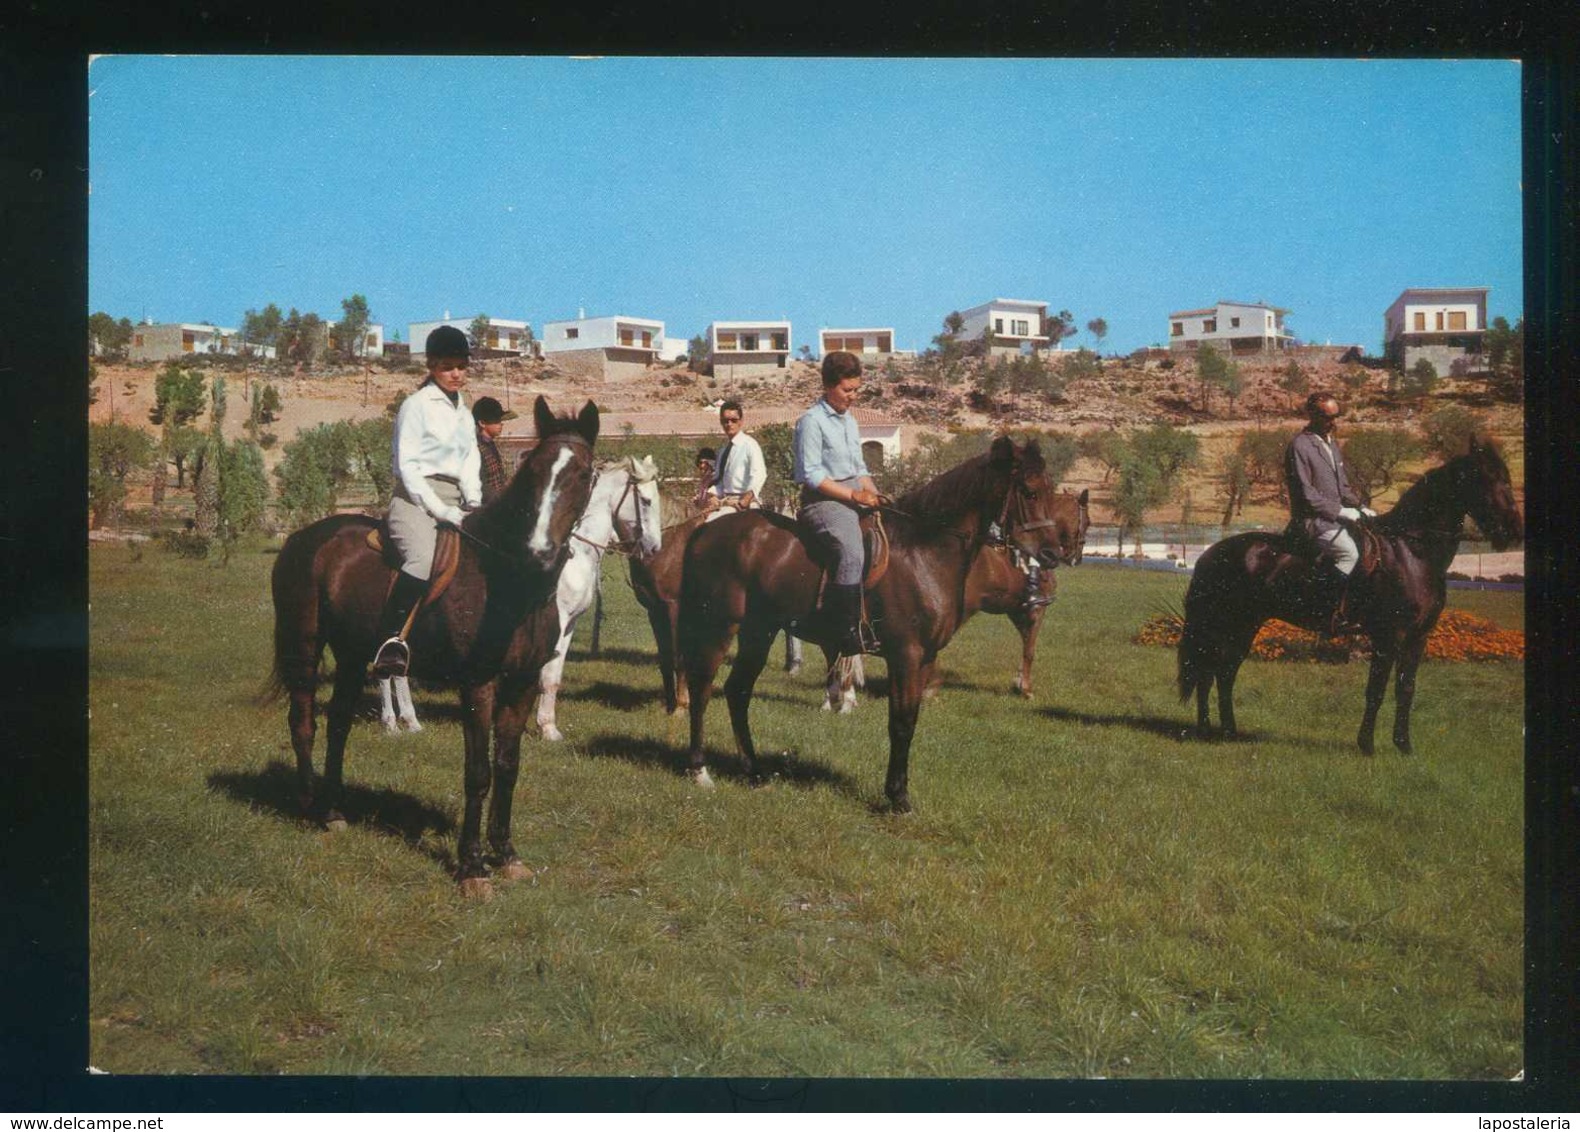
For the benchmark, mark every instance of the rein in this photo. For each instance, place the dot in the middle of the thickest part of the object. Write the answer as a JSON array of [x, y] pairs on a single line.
[[618, 546]]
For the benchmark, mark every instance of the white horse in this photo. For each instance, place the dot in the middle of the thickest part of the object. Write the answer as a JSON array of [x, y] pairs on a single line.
[[623, 512]]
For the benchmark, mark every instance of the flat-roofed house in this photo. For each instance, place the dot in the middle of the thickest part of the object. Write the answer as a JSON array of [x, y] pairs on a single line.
[[505, 335], [1445, 325], [1230, 327], [610, 346], [372, 339], [1016, 325], [742, 348], [157, 342], [858, 340]]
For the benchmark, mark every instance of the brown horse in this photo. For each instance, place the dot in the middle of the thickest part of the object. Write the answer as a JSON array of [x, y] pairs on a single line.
[[752, 574], [655, 579], [1246, 579], [489, 632], [996, 584]]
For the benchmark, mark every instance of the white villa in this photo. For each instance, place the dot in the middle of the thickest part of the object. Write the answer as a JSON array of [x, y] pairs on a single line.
[[744, 348], [503, 333], [1016, 325], [1237, 328], [156, 342], [1445, 325], [611, 346], [858, 340]]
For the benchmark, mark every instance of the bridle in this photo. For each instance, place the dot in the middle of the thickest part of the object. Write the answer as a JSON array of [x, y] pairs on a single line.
[[508, 557], [617, 545], [1007, 525]]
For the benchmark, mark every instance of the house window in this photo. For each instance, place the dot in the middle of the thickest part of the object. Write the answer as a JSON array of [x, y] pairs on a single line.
[[1209, 326], [1020, 326], [998, 326], [1439, 320], [514, 340], [1176, 329], [781, 341], [748, 341], [137, 339], [885, 344], [726, 340], [627, 337], [1234, 322], [224, 341], [493, 339], [572, 332], [188, 341], [1420, 321], [1456, 320]]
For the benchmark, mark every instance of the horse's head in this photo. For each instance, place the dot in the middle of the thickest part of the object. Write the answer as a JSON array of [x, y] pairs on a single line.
[[1482, 479], [639, 517], [1042, 523], [552, 486]]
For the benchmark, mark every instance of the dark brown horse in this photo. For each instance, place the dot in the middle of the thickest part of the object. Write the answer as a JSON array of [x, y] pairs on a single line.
[[996, 584], [489, 632], [752, 574], [1244, 580], [656, 581]]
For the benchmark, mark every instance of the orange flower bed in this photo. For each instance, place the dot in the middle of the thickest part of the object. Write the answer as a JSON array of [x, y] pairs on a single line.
[[1457, 636]]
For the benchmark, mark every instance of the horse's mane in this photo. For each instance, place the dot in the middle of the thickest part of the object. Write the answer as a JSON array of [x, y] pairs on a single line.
[[1423, 501], [951, 494]]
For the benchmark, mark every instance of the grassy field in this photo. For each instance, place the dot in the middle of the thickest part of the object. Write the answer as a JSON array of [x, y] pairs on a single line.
[[1081, 892]]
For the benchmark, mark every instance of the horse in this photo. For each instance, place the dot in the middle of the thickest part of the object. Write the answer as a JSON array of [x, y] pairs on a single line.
[[1248, 578], [490, 632], [655, 579], [752, 574], [997, 584], [623, 515]]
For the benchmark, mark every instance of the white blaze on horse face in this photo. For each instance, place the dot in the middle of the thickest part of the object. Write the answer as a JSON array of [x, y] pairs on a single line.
[[652, 533], [539, 543]]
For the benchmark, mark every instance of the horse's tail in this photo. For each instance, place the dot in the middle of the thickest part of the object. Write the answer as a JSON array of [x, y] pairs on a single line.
[[295, 643], [1193, 670]]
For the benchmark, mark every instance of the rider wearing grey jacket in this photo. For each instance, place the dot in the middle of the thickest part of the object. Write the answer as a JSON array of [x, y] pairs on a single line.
[[1319, 496]]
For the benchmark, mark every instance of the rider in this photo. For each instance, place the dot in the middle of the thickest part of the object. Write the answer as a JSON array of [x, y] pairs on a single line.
[[834, 483], [1319, 496], [491, 416], [706, 458], [436, 476], [741, 471]]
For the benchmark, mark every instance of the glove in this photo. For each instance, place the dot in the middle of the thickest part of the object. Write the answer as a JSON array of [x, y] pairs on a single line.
[[1368, 512], [451, 515], [1350, 513]]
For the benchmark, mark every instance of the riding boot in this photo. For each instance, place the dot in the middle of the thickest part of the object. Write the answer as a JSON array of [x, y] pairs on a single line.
[[1332, 592], [842, 605], [394, 655], [1035, 598]]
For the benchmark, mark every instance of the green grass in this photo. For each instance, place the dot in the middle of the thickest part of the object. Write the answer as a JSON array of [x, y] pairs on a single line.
[[1081, 892]]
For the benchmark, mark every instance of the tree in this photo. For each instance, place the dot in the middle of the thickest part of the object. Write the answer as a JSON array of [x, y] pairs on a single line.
[[1506, 357], [243, 493], [1448, 430], [1106, 447], [1232, 466], [778, 444], [206, 485], [106, 337], [270, 406], [949, 349], [1083, 364], [699, 357], [1151, 469], [352, 329], [1059, 452], [1057, 327], [1213, 368], [477, 333], [1373, 456], [182, 445], [178, 395], [1420, 380], [1098, 329], [93, 384], [805, 352], [261, 328], [1263, 453], [115, 450]]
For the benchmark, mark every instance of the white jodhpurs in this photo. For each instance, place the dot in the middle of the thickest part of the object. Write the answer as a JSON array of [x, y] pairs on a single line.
[[1338, 547]]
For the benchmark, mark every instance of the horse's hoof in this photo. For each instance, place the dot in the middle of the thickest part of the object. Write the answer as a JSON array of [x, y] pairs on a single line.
[[825, 706], [700, 777], [847, 706], [334, 823], [514, 869], [901, 804], [414, 726], [477, 888], [1404, 748], [551, 734], [793, 670], [390, 728]]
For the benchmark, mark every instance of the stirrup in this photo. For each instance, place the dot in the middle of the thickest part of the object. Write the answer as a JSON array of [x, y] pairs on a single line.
[[392, 659], [1036, 601]]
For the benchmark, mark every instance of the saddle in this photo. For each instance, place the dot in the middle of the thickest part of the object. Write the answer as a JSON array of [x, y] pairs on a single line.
[[875, 543], [446, 557], [1367, 541]]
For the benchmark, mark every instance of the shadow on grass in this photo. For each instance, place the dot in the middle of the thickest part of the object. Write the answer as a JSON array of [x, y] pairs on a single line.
[[784, 766], [390, 812], [634, 657], [618, 697], [1178, 728]]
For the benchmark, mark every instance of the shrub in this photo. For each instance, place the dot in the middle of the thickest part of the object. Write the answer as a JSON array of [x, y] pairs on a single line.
[[1449, 429], [186, 543]]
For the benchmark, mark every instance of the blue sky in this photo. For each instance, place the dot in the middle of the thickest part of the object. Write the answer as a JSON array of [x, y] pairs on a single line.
[[831, 192]]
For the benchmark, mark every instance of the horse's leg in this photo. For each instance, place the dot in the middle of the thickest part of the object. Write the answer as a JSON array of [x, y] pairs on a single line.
[[408, 713], [349, 681], [387, 719], [477, 713], [908, 678], [663, 637], [680, 682], [303, 727], [512, 707], [1227, 667], [1028, 625], [751, 654], [701, 661], [549, 684], [839, 686], [1404, 692], [1383, 653], [792, 653]]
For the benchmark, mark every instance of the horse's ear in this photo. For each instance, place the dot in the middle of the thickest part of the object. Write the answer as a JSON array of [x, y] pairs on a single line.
[[1081, 499], [1003, 451], [587, 419], [542, 418]]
